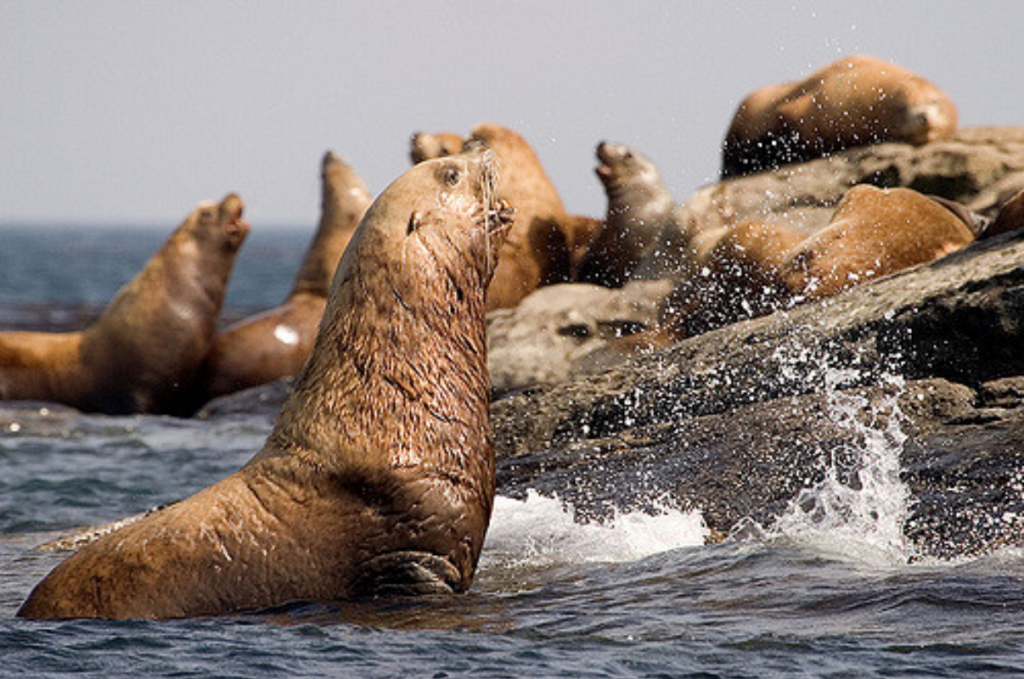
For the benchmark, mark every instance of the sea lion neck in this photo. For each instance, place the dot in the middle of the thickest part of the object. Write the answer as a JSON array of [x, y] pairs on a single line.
[[402, 340], [344, 200]]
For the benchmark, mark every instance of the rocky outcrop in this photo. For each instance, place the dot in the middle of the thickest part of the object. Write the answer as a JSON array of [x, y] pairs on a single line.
[[740, 420], [979, 167], [559, 331]]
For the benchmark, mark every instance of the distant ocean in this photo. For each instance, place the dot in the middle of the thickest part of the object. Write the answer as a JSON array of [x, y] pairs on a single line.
[[636, 596]]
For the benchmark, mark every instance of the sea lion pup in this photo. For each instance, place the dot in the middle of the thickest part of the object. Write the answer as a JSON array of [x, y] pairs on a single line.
[[142, 353], [276, 342], [379, 473], [639, 207], [546, 243], [874, 232], [855, 101]]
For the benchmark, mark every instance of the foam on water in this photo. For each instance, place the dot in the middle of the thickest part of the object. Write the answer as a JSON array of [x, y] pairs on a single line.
[[857, 512], [541, 531]]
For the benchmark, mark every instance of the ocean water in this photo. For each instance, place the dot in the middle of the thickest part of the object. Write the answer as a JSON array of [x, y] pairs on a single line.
[[828, 590]]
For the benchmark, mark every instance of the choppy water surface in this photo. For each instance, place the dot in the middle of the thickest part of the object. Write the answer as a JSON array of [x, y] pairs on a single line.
[[829, 590]]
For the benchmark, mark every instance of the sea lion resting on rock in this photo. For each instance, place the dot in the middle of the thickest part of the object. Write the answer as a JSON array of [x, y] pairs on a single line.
[[546, 243], [276, 343], [639, 207], [854, 101], [1009, 218], [379, 473], [738, 275], [142, 353], [873, 232]]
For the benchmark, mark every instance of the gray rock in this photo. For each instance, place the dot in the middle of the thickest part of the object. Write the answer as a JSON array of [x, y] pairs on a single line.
[[557, 332]]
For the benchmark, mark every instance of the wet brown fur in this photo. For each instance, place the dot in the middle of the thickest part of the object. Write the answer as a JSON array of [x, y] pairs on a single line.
[[277, 342], [379, 473], [142, 353]]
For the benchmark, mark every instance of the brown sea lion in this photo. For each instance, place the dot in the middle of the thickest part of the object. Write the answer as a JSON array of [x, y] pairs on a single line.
[[874, 232], [855, 101], [737, 275], [639, 207], [378, 475], [546, 242], [424, 146], [142, 353], [276, 342], [1009, 218]]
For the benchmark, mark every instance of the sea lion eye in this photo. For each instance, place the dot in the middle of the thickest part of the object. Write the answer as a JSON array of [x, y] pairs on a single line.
[[414, 223], [452, 176]]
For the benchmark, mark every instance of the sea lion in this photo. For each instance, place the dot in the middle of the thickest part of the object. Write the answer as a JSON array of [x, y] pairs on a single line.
[[639, 207], [276, 342], [142, 353], [873, 232], [1009, 218], [737, 275], [855, 101], [378, 475], [546, 243], [424, 146]]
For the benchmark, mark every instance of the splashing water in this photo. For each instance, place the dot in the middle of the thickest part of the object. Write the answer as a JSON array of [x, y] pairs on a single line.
[[540, 532], [858, 510]]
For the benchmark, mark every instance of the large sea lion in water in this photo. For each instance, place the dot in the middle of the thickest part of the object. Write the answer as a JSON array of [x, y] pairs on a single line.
[[873, 232], [379, 473], [276, 342], [639, 207], [546, 244], [142, 353], [855, 101]]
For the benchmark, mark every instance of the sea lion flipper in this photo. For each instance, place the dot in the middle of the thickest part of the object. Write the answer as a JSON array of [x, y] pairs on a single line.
[[407, 573]]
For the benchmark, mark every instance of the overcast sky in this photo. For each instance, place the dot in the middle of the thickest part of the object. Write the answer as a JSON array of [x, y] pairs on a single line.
[[131, 112]]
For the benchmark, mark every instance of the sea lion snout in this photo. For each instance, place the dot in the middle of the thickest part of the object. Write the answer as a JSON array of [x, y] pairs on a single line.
[[230, 216]]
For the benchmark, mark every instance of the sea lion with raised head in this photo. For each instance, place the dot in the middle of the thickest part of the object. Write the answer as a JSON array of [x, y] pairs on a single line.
[[873, 232], [639, 207], [379, 473], [855, 101], [142, 354], [276, 342], [546, 244]]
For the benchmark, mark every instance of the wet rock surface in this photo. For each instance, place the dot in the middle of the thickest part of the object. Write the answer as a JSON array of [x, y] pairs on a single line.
[[926, 364]]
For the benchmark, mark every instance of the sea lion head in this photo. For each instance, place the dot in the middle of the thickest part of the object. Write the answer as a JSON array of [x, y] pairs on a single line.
[[425, 146], [338, 177], [928, 120], [218, 226], [430, 223], [621, 169]]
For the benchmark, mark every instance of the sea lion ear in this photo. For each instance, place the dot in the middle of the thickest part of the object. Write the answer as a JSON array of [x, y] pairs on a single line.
[[414, 223]]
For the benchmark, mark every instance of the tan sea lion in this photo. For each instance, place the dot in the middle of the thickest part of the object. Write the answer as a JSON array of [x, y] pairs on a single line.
[[737, 275], [378, 475], [546, 242], [855, 101], [424, 146], [142, 353], [874, 232], [276, 342], [639, 207]]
